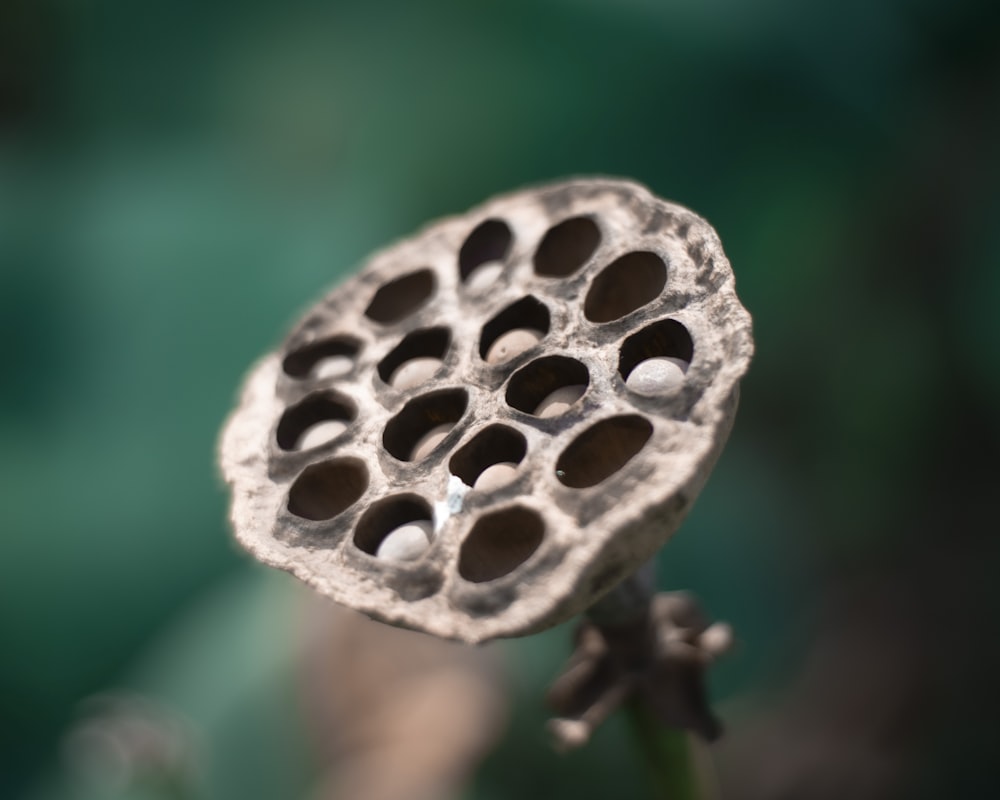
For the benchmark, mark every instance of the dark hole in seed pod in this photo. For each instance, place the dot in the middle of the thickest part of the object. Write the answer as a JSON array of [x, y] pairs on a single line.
[[666, 338], [496, 444], [539, 380], [302, 421], [324, 490], [601, 450], [628, 283], [490, 241], [499, 543], [421, 417], [425, 343], [566, 247], [528, 315], [385, 516], [324, 358], [401, 297]]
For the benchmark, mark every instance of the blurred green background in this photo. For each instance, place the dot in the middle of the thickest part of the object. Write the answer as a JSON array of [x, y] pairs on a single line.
[[178, 179]]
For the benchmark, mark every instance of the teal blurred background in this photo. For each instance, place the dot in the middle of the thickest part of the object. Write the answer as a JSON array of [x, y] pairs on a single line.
[[178, 180]]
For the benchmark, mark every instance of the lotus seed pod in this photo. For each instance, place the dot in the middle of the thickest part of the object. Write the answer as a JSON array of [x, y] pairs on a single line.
[[495, 476], [590, 279], [657, 375], [406, 543], [414, 372]]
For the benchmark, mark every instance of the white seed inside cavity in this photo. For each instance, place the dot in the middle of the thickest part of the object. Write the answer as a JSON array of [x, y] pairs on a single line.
[[560, 400], [495, 476], [511, 344], [657, 375], [484, 276], [321, 433], [405, 543], [413, 372], [332, 367], [430, 440]]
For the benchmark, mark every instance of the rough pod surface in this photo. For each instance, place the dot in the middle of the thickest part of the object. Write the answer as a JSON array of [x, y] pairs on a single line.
[[453, 440]]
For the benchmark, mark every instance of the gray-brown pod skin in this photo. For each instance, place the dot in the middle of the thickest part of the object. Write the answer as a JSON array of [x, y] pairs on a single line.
[[611, 275]]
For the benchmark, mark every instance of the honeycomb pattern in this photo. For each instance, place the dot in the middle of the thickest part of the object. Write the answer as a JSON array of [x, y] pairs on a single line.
[[526, 398]]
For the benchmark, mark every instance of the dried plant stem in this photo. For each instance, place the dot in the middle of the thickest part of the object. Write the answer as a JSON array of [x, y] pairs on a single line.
[[667, 752]]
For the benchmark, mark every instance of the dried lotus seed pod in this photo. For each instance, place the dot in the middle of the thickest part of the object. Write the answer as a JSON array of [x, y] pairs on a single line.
[[542, 471]]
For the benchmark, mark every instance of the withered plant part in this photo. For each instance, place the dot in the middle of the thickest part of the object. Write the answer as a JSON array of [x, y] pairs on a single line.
[[656, 657], [498, 420]]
